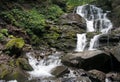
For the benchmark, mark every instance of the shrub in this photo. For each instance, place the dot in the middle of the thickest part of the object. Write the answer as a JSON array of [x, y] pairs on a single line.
[[15, 42], [31, 19], [4, 31], [52, 12], [14, 46], [1, 36], [71, 4]]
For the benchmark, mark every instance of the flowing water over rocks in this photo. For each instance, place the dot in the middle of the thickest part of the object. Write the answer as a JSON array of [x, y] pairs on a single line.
[[96, 21], [51, 69]]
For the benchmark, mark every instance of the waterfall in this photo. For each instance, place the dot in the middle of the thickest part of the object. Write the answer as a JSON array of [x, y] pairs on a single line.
[[81, 42], [96, 21], [42, 68]]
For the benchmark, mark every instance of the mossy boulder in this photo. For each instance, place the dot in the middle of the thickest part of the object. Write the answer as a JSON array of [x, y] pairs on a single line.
[[17, 74], [24, 64], [9, 69], [4, 70]]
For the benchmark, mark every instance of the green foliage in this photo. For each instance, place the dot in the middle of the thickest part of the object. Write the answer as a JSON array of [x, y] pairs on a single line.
[[71, 4], [4, 31], [1, 36], [52, 12], [53, 35], [35, 40], [31, 19], [15, 42]]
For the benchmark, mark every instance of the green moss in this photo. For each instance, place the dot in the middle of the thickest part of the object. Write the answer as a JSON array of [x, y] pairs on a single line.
[[4, 70], [1, 36], [12, 63], [4, 73], [55, 29], [15, 42], [24, 64], [4, 31], [53, 35], [91, 34]]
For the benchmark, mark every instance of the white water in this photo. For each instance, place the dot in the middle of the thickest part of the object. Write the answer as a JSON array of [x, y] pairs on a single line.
[[42, 68], [96, 21], [81, 42], [94, 43], [12, 81]]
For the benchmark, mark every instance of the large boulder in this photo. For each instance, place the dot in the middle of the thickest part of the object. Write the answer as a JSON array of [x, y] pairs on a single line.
[[73, 18], [109, 40], [88, 60], [116, 52], [59, 71]]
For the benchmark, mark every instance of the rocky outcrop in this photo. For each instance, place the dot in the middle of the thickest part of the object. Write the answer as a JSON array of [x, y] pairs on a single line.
[[98, 74], [109, 40], [116, 51], [63, 37], [73, 19], [113, 6], [113, 77], [88, 60]]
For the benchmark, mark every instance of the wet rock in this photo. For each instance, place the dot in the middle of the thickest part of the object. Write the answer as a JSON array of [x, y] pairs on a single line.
[[59, 71], [24, 64], [76, 79], [98, 74], [109, 40], [73, 18], [1, 47], [88, 60], [116, 51], [17, 74], [18, 33], [114, 77], [4, 59]]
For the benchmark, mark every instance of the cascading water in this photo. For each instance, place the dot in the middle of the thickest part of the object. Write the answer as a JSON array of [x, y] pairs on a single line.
[[96, 21], [81, 42], [42, 68]]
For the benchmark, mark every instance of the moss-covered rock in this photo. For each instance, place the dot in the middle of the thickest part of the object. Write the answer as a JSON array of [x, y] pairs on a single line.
[[24, 64], [17, 74], [4, 70]]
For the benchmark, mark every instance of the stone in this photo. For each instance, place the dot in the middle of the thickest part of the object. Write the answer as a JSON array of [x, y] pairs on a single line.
[[59, 71], [114, 77], [88, 60], [73, 18], [16, 74], [98, 74], [116, 52], [24, 64]]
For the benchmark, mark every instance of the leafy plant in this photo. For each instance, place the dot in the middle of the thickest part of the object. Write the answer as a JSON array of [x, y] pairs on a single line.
[[71, 4], [1, 36], [31, 19], [52, 12], [4, 31], [15, 42]]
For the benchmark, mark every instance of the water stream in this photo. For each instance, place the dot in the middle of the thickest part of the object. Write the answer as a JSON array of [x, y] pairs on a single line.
[[42, 68], [97, 22]]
